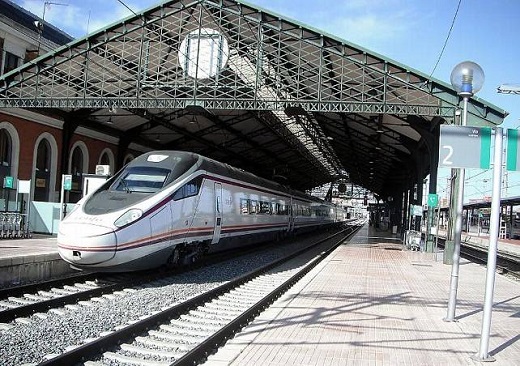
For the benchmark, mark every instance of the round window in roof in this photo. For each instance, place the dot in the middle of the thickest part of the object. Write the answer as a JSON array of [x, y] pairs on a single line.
[[203, 53]]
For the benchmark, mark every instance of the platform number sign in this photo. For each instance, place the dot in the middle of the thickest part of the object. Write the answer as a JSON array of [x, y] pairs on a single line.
[[465, 147]]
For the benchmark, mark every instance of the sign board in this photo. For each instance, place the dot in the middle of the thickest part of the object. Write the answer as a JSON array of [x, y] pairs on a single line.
[[512, 159], [91, 182], [416, 210], [465, 147], [433, 200], [9, 182], [67, 182], [24, 186]]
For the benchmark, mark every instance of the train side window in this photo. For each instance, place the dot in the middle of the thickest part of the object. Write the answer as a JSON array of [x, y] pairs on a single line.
[[283, 209], [254, 207], [190, 189], [265, 207], [244, 206]]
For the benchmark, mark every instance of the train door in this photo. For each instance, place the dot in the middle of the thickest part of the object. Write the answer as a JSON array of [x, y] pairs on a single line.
[[218, 213]]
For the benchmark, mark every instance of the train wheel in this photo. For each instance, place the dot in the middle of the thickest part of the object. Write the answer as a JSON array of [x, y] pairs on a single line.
[[173, 259]]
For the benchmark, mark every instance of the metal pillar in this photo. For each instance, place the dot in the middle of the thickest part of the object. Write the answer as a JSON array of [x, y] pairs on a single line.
[[492, 250], [454, 281], [449, 244]]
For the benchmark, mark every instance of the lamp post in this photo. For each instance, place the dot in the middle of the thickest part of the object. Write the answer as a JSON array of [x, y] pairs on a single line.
[[467, 79]]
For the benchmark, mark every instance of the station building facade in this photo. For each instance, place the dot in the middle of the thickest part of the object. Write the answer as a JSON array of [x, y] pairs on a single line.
[[31, 142]]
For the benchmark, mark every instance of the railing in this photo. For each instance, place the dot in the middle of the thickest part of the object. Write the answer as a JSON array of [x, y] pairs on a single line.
[[13, 225]]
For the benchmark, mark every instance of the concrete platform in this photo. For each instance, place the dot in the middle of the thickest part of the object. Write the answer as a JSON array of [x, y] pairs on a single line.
[[371, 303], [29, 260]]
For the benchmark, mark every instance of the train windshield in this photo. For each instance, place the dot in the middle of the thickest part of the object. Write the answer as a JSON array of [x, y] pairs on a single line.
[[142, 179]]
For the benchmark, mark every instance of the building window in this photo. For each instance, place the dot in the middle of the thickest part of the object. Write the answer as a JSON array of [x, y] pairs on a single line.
[[5, 148], [11, 62], [42, 174], [77, 162], [43, 159], [105, 160], [5, 167]]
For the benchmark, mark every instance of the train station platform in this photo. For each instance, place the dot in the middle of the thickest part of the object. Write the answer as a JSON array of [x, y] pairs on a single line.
[[29, 260], [372, 303]]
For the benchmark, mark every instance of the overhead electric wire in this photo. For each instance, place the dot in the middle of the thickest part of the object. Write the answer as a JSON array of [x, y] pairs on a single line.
[[126, 6], [446, 41]]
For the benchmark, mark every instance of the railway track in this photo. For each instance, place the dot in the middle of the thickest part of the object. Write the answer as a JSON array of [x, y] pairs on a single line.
[[185, 333], [507, 264], [20, 302]]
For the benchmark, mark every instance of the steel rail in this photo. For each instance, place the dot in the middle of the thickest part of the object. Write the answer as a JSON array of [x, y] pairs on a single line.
[[39, 286], [507, 263]]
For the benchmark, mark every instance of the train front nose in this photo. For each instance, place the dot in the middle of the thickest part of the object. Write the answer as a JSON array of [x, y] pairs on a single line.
[[85, 245]]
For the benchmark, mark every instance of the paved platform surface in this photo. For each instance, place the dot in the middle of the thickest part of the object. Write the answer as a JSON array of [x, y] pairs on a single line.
[[30, 260], [38, 244], [371, 303]]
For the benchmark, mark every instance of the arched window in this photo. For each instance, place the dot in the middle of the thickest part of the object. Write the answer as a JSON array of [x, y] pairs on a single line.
[[5, 148], [104, 160], [78, 164], [5, 166], [76, 167], [107, 158], [43, 158], [43, 169]]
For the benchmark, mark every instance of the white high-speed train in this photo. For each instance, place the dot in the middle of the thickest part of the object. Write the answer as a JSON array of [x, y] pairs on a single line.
[[170, 207]]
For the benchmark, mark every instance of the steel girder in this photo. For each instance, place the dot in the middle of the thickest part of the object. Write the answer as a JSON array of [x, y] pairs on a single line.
[[134, 64], [256, 61]]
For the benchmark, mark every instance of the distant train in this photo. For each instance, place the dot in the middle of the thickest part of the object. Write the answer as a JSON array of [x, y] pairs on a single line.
[[172, 207]]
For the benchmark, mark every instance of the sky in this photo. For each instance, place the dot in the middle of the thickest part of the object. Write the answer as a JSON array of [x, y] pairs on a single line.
[[410, 32]]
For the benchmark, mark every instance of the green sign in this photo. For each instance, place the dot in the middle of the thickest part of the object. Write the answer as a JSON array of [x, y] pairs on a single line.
[[8, 182], [513, 159], [67, 182], [433, 200]]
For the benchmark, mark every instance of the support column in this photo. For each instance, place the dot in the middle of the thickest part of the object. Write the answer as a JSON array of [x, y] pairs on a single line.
[[449, 246], [433, 147], [418, 201], [122, 149], [70, 125]]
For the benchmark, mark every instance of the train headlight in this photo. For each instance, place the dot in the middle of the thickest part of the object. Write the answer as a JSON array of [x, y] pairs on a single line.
[[128, 217]]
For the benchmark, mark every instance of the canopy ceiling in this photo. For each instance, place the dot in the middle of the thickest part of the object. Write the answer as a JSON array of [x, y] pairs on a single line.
[[248, 87]]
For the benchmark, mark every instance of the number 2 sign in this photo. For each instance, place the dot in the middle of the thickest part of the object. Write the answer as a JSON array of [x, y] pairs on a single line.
[[465, 147]]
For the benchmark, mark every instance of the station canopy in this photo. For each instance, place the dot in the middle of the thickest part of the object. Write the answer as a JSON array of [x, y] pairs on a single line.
[[248, 87]]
